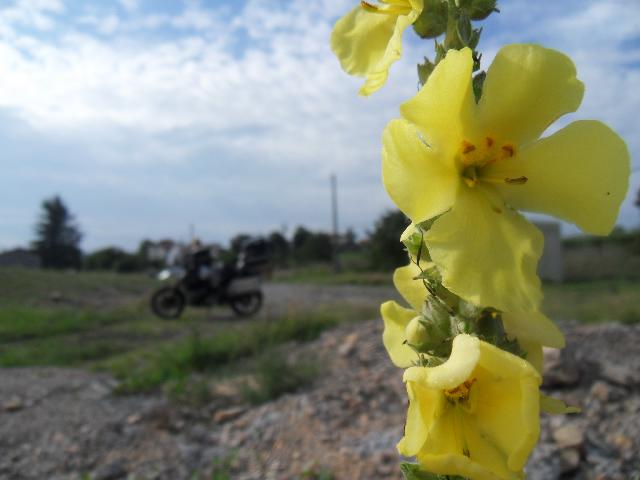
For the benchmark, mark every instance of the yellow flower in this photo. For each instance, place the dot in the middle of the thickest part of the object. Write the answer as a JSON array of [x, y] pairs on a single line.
[[473, 164], [476, 415], [396, 318], [368, 39], [532, 330]]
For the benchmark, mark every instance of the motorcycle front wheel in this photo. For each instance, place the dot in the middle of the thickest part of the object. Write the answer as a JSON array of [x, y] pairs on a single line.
[[247, 304], [168, 302]]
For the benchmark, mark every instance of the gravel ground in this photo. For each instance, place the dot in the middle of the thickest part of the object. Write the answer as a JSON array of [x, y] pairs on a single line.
[[65, 423]]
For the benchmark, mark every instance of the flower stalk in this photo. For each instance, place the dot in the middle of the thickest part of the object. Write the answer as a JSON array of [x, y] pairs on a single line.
[[465, 157]]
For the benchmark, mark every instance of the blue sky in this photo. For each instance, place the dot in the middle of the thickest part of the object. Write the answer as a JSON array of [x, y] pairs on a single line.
[[148, 116]]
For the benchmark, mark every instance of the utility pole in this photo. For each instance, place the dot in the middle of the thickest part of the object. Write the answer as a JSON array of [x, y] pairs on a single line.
[[334, 221]]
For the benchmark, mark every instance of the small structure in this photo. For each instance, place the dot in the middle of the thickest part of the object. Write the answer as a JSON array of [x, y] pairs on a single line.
[[551, 265], [19, 257], [164, 252]]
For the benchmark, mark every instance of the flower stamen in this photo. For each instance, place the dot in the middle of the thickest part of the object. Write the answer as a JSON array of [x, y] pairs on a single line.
[[508, 150], [516, 181], [461, 392], [467, 147]]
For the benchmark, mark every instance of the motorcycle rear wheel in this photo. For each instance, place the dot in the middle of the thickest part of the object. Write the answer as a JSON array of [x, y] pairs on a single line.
[[247, 304], [168, 303]]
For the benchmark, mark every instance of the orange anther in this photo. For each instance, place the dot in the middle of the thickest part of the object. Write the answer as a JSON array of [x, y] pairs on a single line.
[[489, 142], [516, 181], [509, 149], [467, 147]]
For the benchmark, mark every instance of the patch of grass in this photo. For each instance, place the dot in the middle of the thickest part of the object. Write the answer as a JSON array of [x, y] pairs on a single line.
[[63, 337], [275, 376], [210, 354], [317, 474], [591, 302], [57, 352], [20, 323], [22, 286], [222, 467]]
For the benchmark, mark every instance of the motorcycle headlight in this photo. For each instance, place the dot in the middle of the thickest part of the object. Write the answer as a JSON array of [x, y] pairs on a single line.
[[164, 275]]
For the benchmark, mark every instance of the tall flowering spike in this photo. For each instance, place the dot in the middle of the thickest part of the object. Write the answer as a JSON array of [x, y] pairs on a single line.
[[474, 164], [476, 415], [368, 39]]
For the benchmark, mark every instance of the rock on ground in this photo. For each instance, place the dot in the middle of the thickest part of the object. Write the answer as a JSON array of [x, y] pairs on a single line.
[[63, 423]]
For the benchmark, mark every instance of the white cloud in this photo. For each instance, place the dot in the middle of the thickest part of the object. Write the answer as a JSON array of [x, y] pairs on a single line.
[[31, 13], [129, 5], [250, 105]]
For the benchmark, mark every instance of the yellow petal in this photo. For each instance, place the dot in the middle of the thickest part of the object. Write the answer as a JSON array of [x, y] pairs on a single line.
[[526, 89], [465, 353], [421, 182], [360, 39], [377, 76], [413, 291], [555, 406], [487, 253], [507, 410], [483, 451], [424, 407], [396, 319], [509, 366], [445, 105], [580, 174], [406, 234], [535, 354], [534, 326], [443, 451]]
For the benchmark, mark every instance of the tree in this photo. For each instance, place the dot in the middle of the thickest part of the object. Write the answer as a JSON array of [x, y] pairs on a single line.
[[300, 237], [57, 236], [385, 249], [238, 242], [279, 247], [312, 246], [114, 258]]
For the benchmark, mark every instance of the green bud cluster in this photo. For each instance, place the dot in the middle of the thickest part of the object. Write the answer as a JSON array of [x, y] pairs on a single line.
[[453, 19], [445, 315], [431, 331]]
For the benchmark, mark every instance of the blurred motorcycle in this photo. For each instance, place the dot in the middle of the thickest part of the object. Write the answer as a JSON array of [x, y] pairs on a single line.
[[202, 283]]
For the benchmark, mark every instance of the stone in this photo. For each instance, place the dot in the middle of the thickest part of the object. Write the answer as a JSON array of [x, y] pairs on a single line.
[[601, 391], [348, 345], [569, 460], [133, 418], [568, 436], [561, 374], [14, 403], [55, 296], [620, 374], [228, 414]]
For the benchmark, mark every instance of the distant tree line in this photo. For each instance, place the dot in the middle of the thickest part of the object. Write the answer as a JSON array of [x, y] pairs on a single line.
[[58, 236]]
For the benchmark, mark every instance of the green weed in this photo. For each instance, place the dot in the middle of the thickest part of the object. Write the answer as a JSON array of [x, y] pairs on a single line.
[[275, 376], [211, 354]]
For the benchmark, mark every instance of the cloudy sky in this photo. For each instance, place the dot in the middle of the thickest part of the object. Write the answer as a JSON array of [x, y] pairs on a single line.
[[148, 116]]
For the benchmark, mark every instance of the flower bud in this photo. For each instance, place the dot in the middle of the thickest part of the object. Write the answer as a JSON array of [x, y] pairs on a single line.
[[438, 316], [481, 9], [417, 332], [468, 310], [432, 22]]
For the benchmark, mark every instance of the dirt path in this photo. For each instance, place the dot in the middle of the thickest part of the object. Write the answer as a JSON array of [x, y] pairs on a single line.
[[280, 297]]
